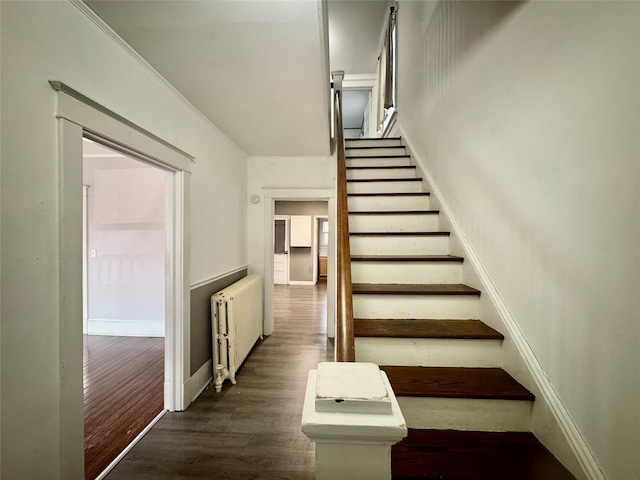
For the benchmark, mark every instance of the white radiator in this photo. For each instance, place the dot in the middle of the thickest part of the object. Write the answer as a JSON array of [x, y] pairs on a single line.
[[236, 325]]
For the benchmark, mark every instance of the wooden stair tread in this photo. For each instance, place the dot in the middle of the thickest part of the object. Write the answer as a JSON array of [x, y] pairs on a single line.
[[390, 194], [399, 234], [424, 328], [365, 180], [406, 258], [413, 289], [371, 139], [349, 157], [396, 212], [455, 382], [382, 167], [376, 146], [452, 454]]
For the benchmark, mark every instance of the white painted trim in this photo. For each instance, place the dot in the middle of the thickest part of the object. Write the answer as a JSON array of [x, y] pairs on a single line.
[[301, 282], [69, 292], [128, 448], [200, 380], [123, 136], [125, 328], [364, 78], [178, 294], [77, 116], [215, 278], [570, 430], [118, 40], [85, 262]]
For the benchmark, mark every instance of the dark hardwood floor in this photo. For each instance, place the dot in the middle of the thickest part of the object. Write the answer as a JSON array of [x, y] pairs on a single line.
[[123, 392], [251, 430]]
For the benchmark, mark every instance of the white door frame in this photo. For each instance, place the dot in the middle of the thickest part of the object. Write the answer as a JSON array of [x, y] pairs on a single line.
[[293, 194], [77, 117], [287, 219], [85, 259]]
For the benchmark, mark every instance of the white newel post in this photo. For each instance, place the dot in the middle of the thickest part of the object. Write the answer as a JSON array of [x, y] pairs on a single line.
[[352, 415]]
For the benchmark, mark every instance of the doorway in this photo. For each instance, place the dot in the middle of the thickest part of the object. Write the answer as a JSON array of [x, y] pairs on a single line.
[[296, 241], [124, 232], [80, 117], [356, 113]]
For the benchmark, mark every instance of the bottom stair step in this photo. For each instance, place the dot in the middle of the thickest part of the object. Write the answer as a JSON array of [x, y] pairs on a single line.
[[451, 454]]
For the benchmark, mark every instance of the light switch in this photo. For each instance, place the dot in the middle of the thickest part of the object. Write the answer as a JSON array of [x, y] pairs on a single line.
[[93, 254]]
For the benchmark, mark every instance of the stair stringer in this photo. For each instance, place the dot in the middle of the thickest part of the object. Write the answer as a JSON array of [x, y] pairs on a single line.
[[551, 422]]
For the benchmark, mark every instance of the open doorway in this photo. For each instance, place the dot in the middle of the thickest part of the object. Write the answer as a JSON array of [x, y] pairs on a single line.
[[296, 241], [356, 113], [124, 285], [302, 238], [80, 117]]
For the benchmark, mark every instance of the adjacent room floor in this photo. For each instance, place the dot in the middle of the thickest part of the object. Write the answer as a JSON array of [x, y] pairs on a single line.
[[123, 393], [251, 430]]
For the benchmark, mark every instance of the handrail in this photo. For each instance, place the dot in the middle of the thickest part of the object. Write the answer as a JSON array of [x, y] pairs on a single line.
[[345, 348]]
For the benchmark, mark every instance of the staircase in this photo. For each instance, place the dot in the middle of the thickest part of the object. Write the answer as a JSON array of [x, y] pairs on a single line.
[[467, 417]]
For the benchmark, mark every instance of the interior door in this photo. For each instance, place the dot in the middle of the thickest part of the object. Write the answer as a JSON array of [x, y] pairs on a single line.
[[281, 250]]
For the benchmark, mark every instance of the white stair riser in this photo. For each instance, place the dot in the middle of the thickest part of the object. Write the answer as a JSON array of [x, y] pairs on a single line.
[[415, 306], [381, 173], [378, 162], [390, 203], [406, 272], [393, 223], [466, 414], [409, 245], [384, 187], [374, 142], [429, 352], [374, 152]]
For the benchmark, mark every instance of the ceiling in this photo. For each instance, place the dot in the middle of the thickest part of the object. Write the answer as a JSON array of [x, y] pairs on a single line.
[[256, 68], [355, 29]]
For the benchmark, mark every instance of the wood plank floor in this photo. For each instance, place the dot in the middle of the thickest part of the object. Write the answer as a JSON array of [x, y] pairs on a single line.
[[251, 430], [123, 392]]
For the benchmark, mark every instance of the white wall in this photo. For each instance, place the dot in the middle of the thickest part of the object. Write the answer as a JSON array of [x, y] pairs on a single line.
[[527, 118], [126, 234], [55, 40]]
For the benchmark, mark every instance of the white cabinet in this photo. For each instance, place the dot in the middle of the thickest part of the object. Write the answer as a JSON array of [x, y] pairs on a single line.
[[300, 231]]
